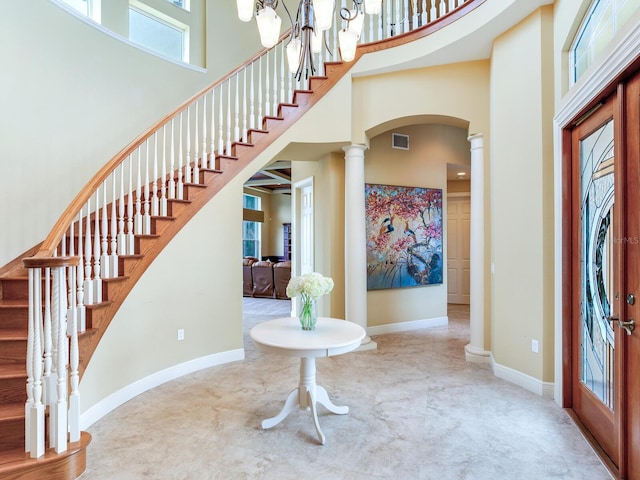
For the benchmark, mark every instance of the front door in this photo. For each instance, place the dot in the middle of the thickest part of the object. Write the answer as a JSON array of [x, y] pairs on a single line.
[[606, 277]]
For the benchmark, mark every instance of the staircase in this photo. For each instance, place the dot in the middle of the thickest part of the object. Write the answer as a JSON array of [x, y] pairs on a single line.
[[127, 228]]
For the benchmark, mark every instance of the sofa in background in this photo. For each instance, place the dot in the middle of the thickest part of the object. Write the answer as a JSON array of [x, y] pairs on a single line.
[[265, 279]]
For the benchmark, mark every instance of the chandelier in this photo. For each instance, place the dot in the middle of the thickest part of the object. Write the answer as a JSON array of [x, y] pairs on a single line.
[[313, 19]]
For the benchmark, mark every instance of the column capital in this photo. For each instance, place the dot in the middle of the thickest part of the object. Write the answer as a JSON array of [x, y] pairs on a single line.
[[477, 140], [354, 147]]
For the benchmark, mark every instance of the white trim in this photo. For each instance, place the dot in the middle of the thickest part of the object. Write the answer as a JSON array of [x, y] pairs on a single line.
[[113, 401], [405, 326], [544, 389], [584, 91]]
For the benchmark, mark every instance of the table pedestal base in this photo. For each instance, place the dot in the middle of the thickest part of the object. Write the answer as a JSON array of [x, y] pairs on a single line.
[[306, 396]]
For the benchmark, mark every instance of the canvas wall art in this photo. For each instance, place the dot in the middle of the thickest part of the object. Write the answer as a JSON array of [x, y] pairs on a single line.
[[404, 236]]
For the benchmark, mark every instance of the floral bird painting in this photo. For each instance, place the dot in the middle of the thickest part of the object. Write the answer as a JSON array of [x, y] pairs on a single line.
[[404, 236]]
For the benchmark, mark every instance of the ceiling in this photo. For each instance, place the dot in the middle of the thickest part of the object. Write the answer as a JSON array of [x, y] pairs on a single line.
[[274, 178]]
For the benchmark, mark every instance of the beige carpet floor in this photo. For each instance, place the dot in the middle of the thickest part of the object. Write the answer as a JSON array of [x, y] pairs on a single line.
[[418, 411]]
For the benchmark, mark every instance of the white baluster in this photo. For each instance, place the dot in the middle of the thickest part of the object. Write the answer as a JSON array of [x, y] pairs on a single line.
[[130, 213], [172, 160], [155, 202], [443, 8], [244, 106], [187, 160], [122, 238], [389, 19], [74, 361], [212, 135], [260, 93], [220, 123], [88, 283], [252, 113], [180, 185], [104, 257], [423, 15], [48, 374], [137, 219], [452, 5], [196, 154], [290, 88], [97, 280], [36, 411], [283, 98], [267, 86], [163, 180], [274, 103], [236, 110], [415, 19], [228, 145], [205, 157], [113, 257], [60, 410], [81, 314], [146, 225]]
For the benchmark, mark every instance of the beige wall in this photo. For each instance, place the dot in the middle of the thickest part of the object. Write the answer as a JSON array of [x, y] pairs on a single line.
[[521, 197]]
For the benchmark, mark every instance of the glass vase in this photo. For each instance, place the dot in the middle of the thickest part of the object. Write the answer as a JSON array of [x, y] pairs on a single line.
[[308, 314]]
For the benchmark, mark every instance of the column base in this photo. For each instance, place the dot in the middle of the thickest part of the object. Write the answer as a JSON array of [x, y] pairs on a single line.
[[475, 355], [366, 344]]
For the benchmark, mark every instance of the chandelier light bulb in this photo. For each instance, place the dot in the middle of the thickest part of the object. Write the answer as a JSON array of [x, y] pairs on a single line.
[[293, 54], [316, 41], [245, 10], [372, 7], [323, 12], [357, 23], [268, 26], [348, 40]]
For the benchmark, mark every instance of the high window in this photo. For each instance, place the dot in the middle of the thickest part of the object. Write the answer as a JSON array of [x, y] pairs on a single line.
[[158, 32], [251, 230], [603, 21]]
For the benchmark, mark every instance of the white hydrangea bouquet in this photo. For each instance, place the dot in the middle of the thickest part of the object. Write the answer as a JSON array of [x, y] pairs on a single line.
[[310, 287]]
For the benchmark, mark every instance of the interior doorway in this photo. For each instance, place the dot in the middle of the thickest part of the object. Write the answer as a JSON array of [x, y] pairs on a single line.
[[458, 249]]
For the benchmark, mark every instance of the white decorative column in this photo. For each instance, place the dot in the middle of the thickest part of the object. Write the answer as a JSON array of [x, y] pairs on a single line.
[[474, 351], [355, 263]]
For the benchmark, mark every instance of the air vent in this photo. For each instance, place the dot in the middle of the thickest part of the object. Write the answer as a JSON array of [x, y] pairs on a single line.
[[400, 141]]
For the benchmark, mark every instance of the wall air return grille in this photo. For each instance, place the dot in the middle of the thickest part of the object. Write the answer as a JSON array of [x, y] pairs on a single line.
[[398, 140]]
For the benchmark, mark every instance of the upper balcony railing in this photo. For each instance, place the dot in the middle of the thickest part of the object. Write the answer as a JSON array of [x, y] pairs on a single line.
[[135, 190]]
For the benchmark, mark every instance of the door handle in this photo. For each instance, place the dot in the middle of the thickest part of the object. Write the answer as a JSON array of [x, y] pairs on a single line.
[[629, 326]]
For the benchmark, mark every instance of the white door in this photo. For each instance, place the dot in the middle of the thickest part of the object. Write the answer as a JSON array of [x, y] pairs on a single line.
[[458, 248]]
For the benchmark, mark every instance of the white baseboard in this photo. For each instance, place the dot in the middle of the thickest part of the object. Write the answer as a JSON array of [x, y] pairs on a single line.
[[405, 326], [113, 401], [544, 389]]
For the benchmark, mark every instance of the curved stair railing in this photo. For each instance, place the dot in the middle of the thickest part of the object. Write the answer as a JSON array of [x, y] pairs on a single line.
[[110, 232]]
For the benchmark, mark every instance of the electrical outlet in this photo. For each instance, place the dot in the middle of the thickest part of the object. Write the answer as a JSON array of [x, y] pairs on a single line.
[[534, 346], [180, 334]]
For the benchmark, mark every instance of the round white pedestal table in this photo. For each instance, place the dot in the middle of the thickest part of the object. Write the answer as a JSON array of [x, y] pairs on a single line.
[[284, 336]]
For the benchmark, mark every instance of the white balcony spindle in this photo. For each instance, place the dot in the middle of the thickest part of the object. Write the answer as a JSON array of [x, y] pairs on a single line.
[[228, 119], [74, 362], [122, 238], [205, 157], [59, 313], [130, 212], [88, 283], [163, 179], [267, 87], [212, 135], [252, 98], [274, 85], [155, 202], [423, 14], [220, 123], [104, 239], [35, 415], [187, 160], [244, 106], [81, 310], [442, 8], [97, 280], [146, 225], [236, 111], [196, 153], [180, 186], [172, 162], [137, 219], [260, 124], [113, 237], [48, 374]]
